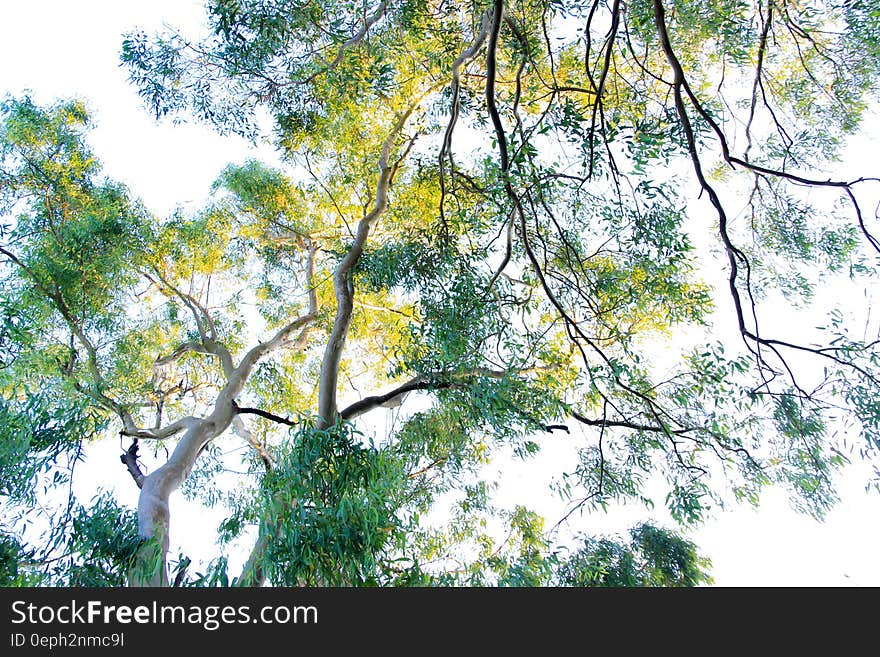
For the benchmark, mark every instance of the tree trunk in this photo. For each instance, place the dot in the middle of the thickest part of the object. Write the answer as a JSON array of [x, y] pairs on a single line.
[[154, 513]]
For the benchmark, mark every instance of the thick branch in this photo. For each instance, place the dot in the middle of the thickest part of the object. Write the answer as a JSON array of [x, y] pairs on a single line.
[[246, 410], [154, 513], [129, 459], [153, 509], [167, 431], [367, 404], [342, 283], [186, 347], [431, 381], [491, 69], [279, 340]]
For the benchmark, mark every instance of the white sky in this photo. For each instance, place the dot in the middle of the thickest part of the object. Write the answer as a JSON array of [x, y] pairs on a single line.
[[62, 48]]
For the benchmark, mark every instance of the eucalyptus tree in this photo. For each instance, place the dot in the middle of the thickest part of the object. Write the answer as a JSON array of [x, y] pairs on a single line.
[[503, 221]]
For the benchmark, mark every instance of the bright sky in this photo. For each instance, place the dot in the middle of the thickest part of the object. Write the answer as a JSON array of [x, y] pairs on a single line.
[[59, 48]]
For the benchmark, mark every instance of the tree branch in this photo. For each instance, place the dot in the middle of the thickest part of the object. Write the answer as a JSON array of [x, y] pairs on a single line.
[[94, 391], [431, 381], [246, 410], [195, 347], [282, 337], [446, 147], [129, 459], [491, 69], [239, 427], [342, 283], [204, 322], [372, 402], [158, 434]]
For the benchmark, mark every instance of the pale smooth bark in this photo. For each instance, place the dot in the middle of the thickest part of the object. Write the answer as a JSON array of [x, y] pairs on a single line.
[[154, 512], [342, 284]]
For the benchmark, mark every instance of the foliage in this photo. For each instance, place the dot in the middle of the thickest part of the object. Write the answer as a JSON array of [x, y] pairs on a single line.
[[13, 559], [103, 543], [653, 557], [510, 221], [335, 501]]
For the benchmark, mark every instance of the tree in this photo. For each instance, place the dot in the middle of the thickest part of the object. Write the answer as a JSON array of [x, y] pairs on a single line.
[[500, 219]]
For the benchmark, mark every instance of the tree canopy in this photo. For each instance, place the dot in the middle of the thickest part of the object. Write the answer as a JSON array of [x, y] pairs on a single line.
[[497, 224]]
